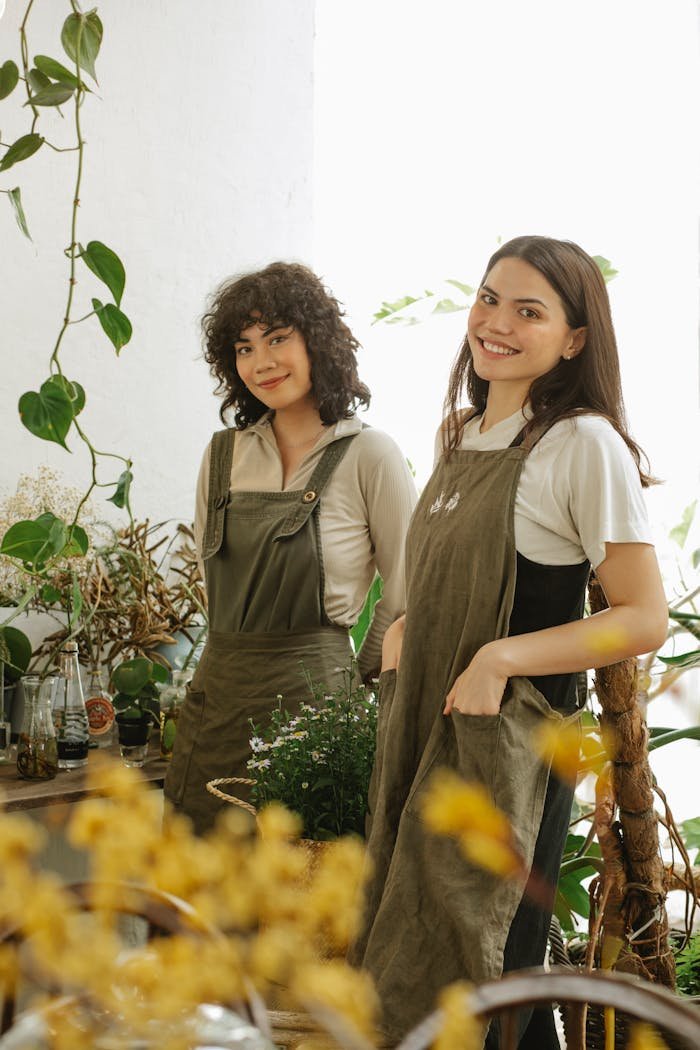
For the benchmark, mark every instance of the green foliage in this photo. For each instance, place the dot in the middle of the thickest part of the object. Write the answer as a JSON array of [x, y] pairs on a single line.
[[605, 267], [49, 94], [36, 543], [359, 631], [106, 265], [24, 147], [53, 70], [9, 76], [115, 324], [581, 860], [121, 497], [690, 829], [688, 967], [49, 413], [136, 682], [15, 653], [81, 37], [318, 762], [679, 533], [16, 202]]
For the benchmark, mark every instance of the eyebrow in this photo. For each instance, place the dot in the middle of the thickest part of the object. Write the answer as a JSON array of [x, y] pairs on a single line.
[[497, 296], [268, 331]]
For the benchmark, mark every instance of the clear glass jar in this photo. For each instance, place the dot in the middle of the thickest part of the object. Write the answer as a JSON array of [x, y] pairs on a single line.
[[171, 699], [37, 753], [69, 714], [100, 710]]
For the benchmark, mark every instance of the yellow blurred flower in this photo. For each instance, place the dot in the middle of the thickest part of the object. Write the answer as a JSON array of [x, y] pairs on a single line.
[[460, 1030], [451, 806], [276, 822], [607, 641], [643, 1037], [335, 986], [568, 748]]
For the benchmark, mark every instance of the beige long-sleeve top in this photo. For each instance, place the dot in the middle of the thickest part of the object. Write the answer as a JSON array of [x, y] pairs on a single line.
[[364, 514]]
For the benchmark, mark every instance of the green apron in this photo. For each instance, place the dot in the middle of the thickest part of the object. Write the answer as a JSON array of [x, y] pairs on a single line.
[[432, 916], [267, 626]]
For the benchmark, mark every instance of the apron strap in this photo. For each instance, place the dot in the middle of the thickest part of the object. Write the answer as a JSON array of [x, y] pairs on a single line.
[[220, 460], [308, 499], [528, 441]]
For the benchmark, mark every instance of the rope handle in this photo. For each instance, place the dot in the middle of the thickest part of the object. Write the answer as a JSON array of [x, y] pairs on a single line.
[[213, 789]]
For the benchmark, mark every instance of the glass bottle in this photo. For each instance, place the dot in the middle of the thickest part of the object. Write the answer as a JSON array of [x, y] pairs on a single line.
[[5, 724], [100, 710], [37, 754], [69, 714], [171, 700]]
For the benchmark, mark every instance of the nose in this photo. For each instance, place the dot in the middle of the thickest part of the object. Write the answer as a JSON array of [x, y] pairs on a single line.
[[264, 359], [499, 319]]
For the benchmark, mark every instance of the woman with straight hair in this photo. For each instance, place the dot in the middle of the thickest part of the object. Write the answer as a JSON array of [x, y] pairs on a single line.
[[534, 484], [299, 505]]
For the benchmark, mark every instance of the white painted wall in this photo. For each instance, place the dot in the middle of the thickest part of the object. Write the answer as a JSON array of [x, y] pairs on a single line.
[[198, 165]]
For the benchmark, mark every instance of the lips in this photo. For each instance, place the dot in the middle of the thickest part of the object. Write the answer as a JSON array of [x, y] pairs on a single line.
[[270, 384]]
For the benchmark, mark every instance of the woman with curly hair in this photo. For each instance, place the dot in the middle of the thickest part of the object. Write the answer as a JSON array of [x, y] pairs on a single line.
[[298, 506]]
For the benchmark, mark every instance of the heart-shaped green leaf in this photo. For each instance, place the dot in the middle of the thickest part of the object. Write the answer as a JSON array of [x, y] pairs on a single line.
[[21, 149], [17, 652], [78, 542], [74, 391], [16, 202], [115, 324], [37, 81], [48, 414], [35, 542], [9, 75], [86, 28], [121, 496], [53, 95], [53, 69], [106, 265], [132, 675]]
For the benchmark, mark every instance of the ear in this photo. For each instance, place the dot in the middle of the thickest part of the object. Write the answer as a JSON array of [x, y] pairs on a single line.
[[576, 343]]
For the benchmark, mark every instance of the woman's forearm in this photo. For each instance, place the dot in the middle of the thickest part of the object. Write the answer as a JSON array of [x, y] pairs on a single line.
[[604, 638]]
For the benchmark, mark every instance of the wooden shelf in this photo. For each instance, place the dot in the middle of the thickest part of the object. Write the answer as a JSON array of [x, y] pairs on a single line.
[[69, 785]]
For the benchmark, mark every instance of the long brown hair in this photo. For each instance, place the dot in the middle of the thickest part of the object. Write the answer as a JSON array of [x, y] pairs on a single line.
[[283, 294], [588, 382]]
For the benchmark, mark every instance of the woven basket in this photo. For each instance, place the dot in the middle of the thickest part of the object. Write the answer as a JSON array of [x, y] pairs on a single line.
[[314, 848]]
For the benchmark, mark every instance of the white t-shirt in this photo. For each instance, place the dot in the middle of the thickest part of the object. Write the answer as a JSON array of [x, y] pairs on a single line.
[[579, 488]]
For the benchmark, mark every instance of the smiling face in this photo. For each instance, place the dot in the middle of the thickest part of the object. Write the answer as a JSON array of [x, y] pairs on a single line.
[[517, 328], [273, 362]]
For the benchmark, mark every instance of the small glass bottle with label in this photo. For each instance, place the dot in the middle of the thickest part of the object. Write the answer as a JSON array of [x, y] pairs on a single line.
[[69, 714], [100, 710]]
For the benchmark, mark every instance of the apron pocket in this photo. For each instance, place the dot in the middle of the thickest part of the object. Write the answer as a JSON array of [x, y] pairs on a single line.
[[188, 726], [477, 747]]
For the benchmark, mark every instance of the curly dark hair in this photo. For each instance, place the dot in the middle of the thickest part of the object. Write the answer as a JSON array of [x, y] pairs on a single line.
[[283, 294]]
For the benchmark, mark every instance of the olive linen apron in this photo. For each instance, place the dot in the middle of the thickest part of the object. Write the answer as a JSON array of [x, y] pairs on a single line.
[[432, 916], [268, 627]]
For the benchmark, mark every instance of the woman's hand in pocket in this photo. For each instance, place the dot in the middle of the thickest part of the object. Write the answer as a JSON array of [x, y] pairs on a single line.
[[478, 690], [392, 643]]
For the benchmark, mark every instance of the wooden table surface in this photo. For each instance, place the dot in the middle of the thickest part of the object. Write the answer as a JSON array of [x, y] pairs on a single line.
[[69, 785]]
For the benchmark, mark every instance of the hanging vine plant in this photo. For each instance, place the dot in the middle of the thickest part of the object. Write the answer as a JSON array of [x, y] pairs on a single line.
[[52, 412]]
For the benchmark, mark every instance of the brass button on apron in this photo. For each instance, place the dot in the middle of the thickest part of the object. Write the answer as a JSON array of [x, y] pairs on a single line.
[[309, 496]]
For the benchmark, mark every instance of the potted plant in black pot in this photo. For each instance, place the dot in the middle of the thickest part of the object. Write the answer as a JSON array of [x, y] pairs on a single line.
[[136, 703]]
